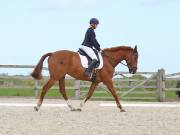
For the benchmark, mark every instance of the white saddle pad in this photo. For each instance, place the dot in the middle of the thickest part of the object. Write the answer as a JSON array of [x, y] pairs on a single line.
[[84, 61]]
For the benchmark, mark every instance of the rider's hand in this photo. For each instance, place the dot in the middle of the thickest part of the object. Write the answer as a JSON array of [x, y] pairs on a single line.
[[101, 51]]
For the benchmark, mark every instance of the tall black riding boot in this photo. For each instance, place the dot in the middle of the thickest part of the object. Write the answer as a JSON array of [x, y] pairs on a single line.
[[90, 68]]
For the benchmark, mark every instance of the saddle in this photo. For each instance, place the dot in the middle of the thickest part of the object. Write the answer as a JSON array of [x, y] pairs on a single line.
[[86, 60], [83, 61]]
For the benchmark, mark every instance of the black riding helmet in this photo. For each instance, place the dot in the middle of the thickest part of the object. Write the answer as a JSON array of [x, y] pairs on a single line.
[[94, 21]]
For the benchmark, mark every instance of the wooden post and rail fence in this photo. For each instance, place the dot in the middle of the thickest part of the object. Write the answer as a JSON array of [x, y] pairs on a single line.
[[125, 83]]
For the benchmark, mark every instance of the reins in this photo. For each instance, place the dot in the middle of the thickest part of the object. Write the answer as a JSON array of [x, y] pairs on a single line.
[[124, 64]]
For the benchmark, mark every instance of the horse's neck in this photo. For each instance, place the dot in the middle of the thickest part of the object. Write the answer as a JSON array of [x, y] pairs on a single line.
[[117, 57]]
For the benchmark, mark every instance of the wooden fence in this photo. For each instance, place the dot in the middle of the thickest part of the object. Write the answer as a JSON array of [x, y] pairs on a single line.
[[150, 85], [173, 87]]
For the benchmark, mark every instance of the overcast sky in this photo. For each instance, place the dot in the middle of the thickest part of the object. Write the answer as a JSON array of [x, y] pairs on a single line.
[[30, 28]]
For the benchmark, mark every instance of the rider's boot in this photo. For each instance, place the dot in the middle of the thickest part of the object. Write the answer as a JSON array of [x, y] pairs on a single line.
[[90, 68]]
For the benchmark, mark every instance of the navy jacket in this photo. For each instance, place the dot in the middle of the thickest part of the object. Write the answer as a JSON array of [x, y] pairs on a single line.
[[90, 39]]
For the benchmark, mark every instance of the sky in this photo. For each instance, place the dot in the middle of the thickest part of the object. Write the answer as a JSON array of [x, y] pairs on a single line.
[[31, 28]]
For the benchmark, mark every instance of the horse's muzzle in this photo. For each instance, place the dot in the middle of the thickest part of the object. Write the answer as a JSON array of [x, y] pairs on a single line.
[[133, 70]]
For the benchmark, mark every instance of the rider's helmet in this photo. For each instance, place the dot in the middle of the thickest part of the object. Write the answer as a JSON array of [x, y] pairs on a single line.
[[94, 21]]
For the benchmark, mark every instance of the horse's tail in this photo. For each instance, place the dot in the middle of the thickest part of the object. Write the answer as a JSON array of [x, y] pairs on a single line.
[[36, 74]]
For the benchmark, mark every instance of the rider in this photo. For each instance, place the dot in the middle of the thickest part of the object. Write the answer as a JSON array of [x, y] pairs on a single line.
[[89, 43]]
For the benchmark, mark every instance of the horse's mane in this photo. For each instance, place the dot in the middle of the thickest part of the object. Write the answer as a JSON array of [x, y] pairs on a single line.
[[118, 48]]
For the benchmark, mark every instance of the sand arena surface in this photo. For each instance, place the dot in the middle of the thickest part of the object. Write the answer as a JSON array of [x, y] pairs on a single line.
[[93, 120]]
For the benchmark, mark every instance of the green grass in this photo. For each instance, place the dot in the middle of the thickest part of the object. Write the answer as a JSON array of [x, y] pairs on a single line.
[[54, 93], [171, 95], [30, 92], [16, 92]]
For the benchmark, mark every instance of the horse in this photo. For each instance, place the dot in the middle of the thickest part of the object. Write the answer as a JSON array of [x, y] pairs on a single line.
[[68, 62]]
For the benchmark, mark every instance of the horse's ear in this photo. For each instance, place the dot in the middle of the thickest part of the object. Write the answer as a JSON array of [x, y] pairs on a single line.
[[135, 49]]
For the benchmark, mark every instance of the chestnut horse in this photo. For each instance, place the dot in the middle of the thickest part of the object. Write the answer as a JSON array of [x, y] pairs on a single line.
[[65, 62]]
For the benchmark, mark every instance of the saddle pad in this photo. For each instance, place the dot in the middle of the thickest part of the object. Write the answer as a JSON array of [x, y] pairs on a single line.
[[84, 61]]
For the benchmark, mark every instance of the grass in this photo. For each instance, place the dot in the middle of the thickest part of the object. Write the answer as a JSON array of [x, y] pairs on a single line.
[[29, 92], [54, 93], [171, 95], [16, 92]]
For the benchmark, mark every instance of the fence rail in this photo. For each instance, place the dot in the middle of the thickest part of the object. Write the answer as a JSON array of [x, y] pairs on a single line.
[[156, 86]]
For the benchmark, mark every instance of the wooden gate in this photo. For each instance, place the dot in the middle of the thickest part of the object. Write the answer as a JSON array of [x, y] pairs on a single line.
[[141, 86]]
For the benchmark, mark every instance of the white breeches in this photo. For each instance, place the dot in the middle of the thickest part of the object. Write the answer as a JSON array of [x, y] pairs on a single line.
[[89, 51]]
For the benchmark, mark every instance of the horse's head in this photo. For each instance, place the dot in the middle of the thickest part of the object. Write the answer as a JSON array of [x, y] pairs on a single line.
[[116, 54], [132, 60]]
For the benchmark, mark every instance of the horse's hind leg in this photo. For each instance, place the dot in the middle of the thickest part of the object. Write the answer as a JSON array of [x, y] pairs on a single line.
[[63, 92], [46, 87]]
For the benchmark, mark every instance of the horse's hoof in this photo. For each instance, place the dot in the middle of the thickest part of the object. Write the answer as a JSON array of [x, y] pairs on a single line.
[[81, 104], [36, 108], [122, 110], [79, 109], [73, 109]]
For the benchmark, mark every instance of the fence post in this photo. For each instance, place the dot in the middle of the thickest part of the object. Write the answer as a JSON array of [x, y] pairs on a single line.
[[77, 92], [178, 86], [36, 88], [161, 85]]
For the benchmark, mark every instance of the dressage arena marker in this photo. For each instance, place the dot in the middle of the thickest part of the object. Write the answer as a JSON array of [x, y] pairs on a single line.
[[148, 105]]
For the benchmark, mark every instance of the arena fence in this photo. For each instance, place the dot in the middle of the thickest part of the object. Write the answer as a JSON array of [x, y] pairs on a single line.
[[141, 86]]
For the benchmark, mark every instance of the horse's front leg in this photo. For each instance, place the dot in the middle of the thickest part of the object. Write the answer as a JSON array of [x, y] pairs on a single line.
[[110, 87], [89, 94], [63, 92]]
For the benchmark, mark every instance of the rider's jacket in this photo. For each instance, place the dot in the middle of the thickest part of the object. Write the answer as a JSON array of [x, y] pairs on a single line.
[[90, 39]]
